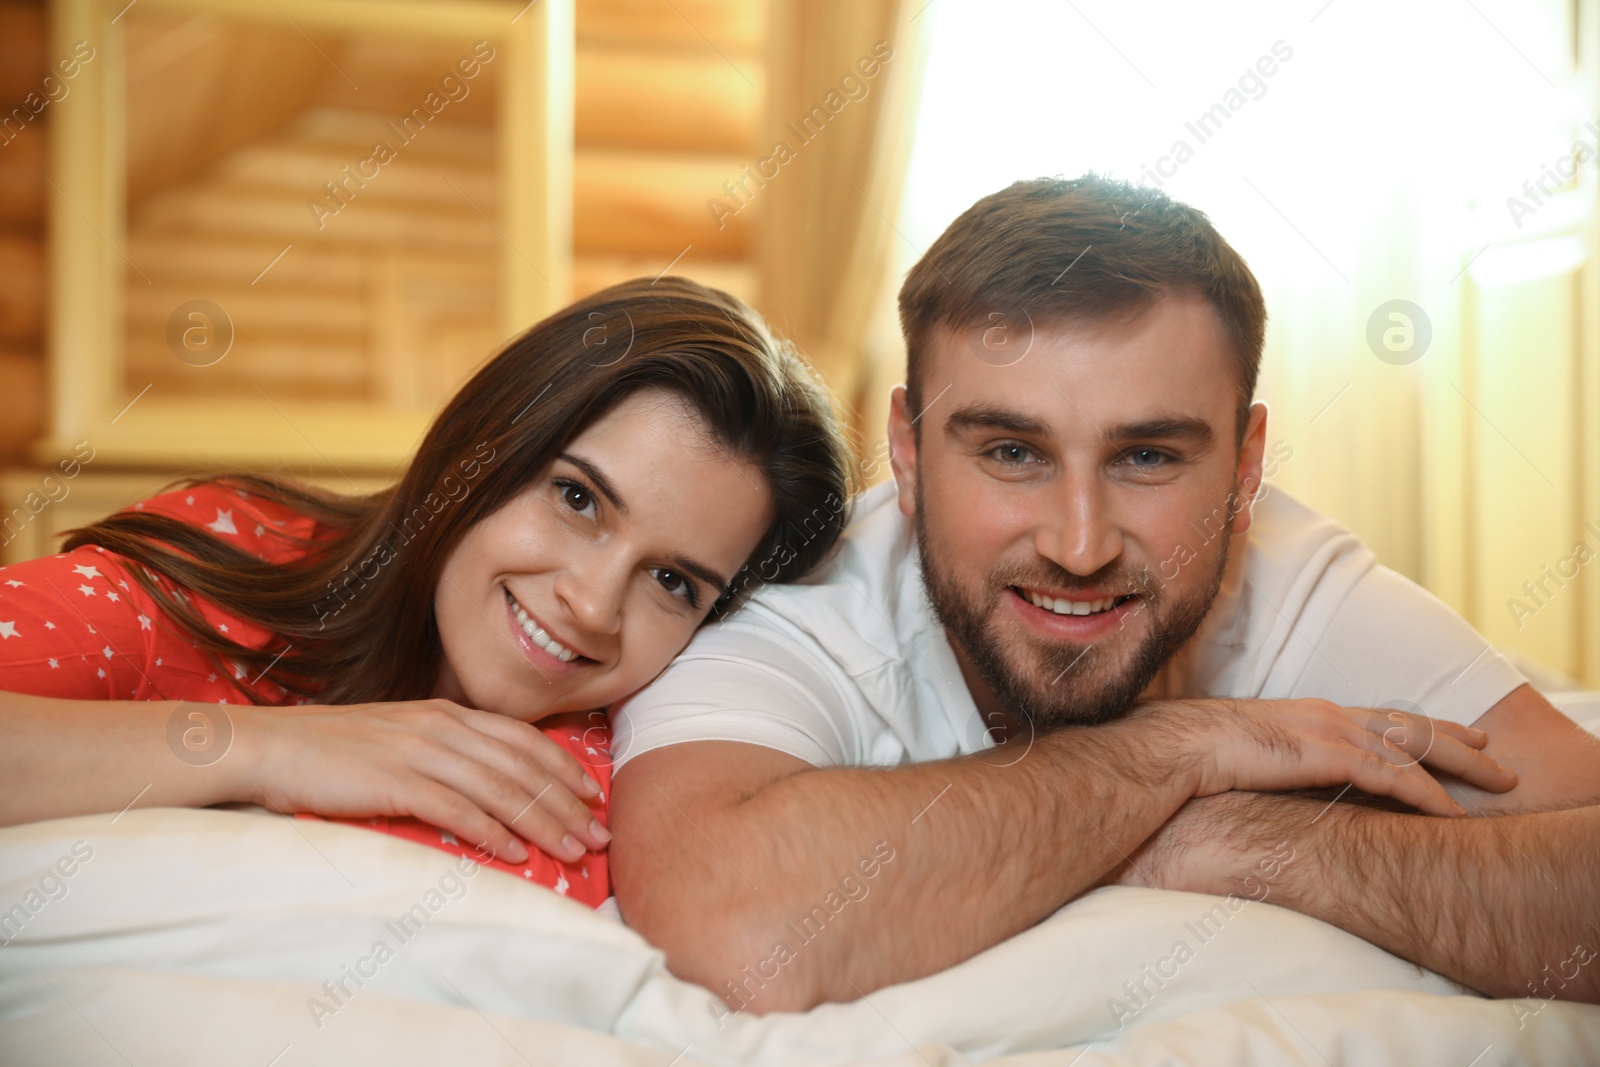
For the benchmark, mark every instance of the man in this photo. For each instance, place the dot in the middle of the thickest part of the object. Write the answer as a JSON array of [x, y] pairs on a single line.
[[1064, 650]]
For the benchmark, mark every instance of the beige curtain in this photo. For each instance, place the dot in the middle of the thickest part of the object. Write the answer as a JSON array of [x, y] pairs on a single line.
[[843, 85]]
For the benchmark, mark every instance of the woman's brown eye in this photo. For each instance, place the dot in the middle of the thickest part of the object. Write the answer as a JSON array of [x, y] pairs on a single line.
[[577, 498], [675, 583]]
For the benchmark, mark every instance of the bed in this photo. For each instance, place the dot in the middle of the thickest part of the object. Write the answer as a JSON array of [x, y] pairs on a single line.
[[242, 937]]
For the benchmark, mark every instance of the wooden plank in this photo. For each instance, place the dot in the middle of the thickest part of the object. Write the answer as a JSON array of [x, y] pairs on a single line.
[[737, 28], [450, 19], [644, 98], [593, 273], [22, 385], [24, 59], [303, 375], [270, 213], [297, 313], [653, 204], [430, 328], [304, 171], [247, 428], [21, 289], [22, 169], [463, 140], [210, 258], [84, 216], [535, 160]]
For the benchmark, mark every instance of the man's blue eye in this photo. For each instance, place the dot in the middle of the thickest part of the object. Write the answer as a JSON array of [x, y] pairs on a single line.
[[1011, 454], [1145, 457]]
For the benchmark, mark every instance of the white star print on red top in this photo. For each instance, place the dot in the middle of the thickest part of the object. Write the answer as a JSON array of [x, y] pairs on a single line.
[[63, 616], [65, 632]]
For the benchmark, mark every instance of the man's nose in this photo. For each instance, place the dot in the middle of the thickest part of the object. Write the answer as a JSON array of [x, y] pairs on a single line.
[[1078, 530]]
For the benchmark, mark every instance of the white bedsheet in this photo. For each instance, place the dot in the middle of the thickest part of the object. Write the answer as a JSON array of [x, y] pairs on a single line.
[[206, 937]]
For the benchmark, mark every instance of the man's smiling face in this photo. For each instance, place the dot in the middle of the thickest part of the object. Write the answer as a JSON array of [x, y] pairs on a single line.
[[1074, 508]]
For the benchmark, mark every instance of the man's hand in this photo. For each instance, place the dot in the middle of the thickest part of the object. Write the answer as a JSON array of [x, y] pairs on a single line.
[[1280, 745], [1270, 746]]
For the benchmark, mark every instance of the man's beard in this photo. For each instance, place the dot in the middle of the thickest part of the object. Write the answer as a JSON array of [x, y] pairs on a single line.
[[1060, 684]]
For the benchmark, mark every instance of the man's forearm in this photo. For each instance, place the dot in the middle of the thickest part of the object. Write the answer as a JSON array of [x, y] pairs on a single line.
[[1509, 905], [781, 912]]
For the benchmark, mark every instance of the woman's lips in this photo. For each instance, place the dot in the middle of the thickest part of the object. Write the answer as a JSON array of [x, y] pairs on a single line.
[[546, 659]]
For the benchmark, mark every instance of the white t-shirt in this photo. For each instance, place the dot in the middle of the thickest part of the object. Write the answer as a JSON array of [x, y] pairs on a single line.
[[850, 667]]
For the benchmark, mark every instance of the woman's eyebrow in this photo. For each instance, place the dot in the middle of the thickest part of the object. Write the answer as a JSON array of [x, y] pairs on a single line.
[[700, 571], [603, 485]]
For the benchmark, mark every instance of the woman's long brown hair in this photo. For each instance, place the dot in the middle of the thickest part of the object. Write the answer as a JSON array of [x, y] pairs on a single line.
[[354, 615]]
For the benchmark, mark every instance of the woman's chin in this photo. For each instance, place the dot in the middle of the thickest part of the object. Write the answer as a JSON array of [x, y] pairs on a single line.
[[531, 705]]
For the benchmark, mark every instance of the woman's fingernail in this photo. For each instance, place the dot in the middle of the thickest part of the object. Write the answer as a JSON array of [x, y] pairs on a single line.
[[571, 847], [591, 785], [515, 852], [598, 832]]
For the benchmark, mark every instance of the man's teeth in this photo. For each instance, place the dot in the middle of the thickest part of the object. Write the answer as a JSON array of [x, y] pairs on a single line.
[[537, 635], [1063, 606]]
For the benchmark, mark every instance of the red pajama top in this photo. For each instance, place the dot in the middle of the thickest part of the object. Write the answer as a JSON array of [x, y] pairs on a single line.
[[76, 625]]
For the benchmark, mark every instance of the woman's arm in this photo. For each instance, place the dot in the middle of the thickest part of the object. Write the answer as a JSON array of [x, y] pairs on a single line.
[[76, 757], [484, 777]]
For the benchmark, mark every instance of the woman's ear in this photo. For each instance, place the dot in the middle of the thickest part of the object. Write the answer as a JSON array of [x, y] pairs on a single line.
[[903, 450]]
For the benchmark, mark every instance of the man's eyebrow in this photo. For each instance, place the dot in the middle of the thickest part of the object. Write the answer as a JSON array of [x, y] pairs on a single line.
[[603, 485], [606, 488], [988, 417], [1164, 428], [1160, 428]]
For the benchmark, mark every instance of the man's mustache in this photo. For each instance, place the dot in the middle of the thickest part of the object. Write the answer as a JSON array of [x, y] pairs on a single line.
[[1043, 574]]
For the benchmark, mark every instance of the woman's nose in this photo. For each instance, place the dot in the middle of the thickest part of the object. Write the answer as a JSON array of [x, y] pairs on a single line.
[[593, 596]]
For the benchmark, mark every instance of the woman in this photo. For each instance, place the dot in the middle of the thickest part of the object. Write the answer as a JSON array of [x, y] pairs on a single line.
[[626, 469]]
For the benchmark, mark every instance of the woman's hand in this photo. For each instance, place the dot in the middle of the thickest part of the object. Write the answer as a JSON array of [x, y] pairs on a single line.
[[486, 778]]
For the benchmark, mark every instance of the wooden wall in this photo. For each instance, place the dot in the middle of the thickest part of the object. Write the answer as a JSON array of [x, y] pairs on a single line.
[[23, 63], [669, 102], [668, 107]]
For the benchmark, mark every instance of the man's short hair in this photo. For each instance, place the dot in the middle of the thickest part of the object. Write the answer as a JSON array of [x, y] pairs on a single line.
[[1052, 251]]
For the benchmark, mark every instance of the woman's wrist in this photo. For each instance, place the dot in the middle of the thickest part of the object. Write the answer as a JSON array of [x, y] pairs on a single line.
[[231, 744]]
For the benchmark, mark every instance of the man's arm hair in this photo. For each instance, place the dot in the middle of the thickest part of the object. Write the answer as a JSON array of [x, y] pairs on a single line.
[[1508, 904], [750, 868]]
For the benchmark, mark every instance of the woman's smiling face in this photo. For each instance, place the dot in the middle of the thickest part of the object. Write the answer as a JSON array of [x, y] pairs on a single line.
[[582, 587]]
